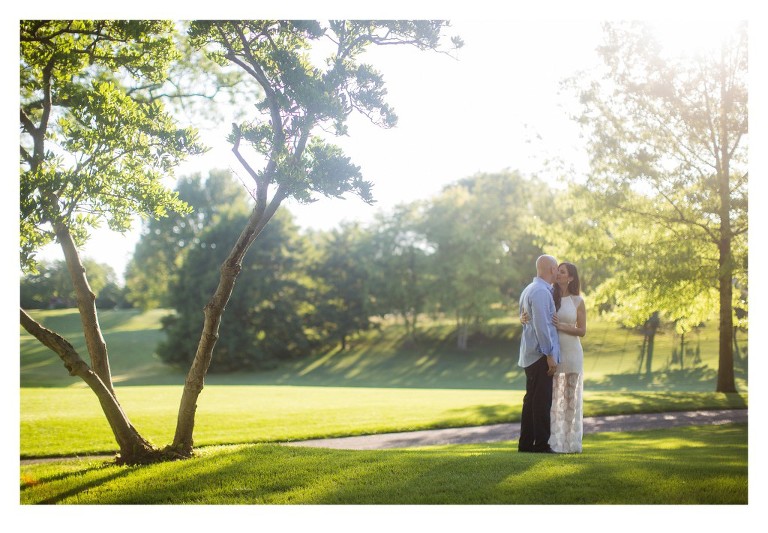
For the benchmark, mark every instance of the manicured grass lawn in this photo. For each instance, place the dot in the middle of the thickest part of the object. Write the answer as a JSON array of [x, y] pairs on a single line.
[[69, 421], [695, 465], [380, 384], [131, 338]]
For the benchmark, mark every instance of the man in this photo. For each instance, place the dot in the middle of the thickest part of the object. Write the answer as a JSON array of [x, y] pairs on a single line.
[[539, 355]]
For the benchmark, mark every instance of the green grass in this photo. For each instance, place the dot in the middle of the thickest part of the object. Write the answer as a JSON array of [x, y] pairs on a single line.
[[243, 414], [131, 338], [695, 465], [381, 384]]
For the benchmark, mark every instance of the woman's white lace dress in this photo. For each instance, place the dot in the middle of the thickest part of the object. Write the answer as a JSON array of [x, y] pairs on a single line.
[[567, 385]]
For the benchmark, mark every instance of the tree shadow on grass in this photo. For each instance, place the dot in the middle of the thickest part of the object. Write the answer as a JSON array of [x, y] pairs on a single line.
[[694, 379], [642, 402], [489, 363], [89, 478], [690, 465]]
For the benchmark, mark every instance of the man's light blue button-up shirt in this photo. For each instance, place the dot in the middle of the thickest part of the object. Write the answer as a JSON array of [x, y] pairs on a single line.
[[539, 336]]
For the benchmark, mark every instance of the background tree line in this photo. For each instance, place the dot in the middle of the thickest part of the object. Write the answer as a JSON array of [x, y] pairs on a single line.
[[461, 254]]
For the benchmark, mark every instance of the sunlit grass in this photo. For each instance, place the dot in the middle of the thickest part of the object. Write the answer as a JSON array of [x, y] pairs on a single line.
[[696, 465], [70, 421], [382, 383]]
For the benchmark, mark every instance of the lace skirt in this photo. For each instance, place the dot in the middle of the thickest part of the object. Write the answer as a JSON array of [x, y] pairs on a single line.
[[567, 427]]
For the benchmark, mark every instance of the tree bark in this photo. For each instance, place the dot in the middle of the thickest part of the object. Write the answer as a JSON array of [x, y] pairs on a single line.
[[134, 449], [725, 375], [183, 442], [86, 304]]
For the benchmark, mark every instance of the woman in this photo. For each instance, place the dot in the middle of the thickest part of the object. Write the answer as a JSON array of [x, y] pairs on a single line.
[[568, 381]]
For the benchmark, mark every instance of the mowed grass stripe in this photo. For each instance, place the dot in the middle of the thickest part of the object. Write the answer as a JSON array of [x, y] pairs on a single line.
[[694, 465], [69, 421]]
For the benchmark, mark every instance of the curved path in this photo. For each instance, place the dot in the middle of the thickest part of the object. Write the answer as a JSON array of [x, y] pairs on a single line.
[[504, 432], [498, 432]]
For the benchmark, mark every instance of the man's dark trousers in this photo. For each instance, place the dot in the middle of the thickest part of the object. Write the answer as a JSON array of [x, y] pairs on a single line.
[[534, 426]]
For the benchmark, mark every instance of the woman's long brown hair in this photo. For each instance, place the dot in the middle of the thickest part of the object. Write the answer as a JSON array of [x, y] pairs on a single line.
[[573, 286]]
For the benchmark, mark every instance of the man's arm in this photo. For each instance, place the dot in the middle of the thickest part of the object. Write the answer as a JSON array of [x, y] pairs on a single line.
[[541, 319]]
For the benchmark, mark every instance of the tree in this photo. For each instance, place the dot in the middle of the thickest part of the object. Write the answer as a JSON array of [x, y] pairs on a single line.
[[268, 318], [83, 85], [51, 286], [479, 231], [342, 272], [94, 148], [157, 256], [674, 129], [399, 258], [299, 98]]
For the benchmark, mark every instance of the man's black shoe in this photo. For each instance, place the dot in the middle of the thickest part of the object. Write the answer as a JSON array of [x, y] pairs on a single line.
[[545, 450]]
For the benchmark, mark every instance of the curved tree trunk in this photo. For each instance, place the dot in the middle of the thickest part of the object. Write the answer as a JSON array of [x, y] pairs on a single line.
[[183, 442], [86, 304], [134, 449]]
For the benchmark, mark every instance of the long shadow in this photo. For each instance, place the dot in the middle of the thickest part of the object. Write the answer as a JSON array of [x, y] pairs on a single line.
[[633, 471], [489, 363], [81, 487], [699, 378]]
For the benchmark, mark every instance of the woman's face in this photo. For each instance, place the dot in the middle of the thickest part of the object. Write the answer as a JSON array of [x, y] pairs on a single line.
[[563, 278]]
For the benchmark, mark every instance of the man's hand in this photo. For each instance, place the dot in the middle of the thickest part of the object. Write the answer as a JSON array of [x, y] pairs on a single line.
[[552, 366]]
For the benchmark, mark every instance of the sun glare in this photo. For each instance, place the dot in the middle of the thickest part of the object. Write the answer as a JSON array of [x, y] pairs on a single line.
[[692, 37]]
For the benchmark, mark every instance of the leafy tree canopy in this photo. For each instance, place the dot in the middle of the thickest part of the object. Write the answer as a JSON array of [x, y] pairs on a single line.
[[94, 146]]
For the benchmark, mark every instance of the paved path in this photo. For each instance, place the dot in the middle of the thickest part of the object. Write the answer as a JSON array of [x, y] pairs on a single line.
[[500, 432], [505, 432]]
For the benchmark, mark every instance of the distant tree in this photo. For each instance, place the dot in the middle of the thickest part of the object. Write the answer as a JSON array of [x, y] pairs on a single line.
[[479, 231], [112, 296], [266, 317], [342, 274], [157, 256], [674, 129], [398, 259]]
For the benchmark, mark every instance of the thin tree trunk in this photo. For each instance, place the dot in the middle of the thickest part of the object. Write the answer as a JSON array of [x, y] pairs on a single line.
[[649, 353], [461, 340], [725, 377], [642, 352], [134, 449], [86, 304], [183, 442], [682, 351]]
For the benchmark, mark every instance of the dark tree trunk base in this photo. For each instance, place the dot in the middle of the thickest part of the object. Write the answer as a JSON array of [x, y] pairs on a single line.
[[152, 456]]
